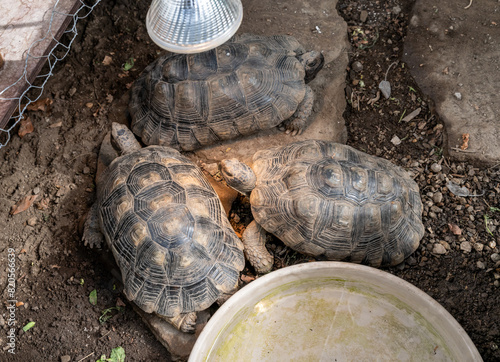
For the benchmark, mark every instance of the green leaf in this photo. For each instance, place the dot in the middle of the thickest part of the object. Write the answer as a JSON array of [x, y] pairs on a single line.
[[129, 64], [28, 326], [106, 314], [102, 359], [82, 281], [117, 354], [93, 297], [493, 209]]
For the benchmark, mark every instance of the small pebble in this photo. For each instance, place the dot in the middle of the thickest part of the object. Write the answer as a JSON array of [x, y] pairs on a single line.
[[478, 247], [466, 247], [496, 283], [480, 265], [86, 170], [436, 167], [436, 209], [437, 197], [492, 244], [396, 10], [445, 244], [357, 66], [363, 16], [36, 190], [495, 257], [396, 141], [65, 358], [31, 221], [411, 261], [458, 95], [439, 249]]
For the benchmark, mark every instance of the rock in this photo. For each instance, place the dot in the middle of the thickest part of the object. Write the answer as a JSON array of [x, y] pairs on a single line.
[[436, 209], [396, 141], [357, 66], [86, 170], [431, 47], [480, 265], [363, 16], [495, 257], [65, 358], [211, 168], [36, 190], [438, 249], [465, 246], [478, 247], [396, 10], [436, 167], [411, 261], [179, 344], [437, 197], [32, 221], [445, 244]]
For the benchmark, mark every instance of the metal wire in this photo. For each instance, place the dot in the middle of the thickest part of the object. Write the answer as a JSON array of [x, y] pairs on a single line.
[[24, 99]]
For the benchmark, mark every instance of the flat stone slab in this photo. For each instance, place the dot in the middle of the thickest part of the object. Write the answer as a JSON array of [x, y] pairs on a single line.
[[317, 26], [22, 23], [454, 56]]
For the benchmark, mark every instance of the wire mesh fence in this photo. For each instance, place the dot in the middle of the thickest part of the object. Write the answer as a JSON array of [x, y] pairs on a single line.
[[28, 89]]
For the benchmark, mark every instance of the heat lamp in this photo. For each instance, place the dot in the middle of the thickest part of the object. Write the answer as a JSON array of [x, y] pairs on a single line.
[[193, 26]]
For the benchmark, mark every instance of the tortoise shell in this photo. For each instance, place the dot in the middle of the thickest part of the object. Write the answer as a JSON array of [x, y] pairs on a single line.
[[168, 232], [248, 84], [328, 199]]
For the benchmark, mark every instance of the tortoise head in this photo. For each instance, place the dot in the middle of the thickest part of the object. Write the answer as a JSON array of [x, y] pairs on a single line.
[[312, 61], [124, 138], [238, 175]]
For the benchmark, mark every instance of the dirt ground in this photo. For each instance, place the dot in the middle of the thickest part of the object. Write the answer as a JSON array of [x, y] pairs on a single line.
[[457, 263]]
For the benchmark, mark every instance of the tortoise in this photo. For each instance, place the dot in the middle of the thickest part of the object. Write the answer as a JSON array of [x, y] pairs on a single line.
[[250, 83], [166, 228], [329, 201]]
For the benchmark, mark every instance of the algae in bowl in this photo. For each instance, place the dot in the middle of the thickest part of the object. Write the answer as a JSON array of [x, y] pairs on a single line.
[[326, 311]]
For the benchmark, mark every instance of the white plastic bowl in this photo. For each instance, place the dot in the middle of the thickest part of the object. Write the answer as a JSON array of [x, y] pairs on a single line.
[[332, 311]]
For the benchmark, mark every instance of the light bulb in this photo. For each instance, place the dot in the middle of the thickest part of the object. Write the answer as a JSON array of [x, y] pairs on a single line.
[[193, 26]]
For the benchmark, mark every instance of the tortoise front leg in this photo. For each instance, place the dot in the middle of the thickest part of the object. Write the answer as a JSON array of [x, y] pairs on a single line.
[[92, 235], [254, 242], [297, 123], [185, 322]]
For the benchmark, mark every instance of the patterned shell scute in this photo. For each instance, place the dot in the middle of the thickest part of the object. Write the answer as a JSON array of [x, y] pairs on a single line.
[[328, 199], [168, 232], [248, 84]]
